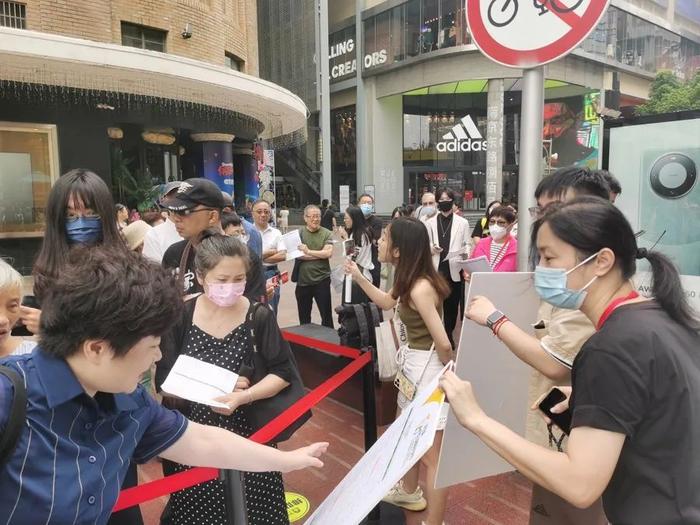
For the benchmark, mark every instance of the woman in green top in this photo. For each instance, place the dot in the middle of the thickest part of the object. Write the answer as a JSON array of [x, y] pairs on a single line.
[[420, 290]]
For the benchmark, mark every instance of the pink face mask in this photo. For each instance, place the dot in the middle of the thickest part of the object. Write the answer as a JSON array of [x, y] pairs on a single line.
[[225, 294]]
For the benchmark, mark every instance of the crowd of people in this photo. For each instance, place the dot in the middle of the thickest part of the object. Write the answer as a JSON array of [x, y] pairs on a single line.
[[197, 279]]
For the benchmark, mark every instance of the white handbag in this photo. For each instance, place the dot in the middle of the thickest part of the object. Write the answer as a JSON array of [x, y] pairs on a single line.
[[391, 335]]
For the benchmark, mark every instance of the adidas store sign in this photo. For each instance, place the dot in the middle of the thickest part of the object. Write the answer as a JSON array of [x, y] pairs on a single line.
[[465, 136]]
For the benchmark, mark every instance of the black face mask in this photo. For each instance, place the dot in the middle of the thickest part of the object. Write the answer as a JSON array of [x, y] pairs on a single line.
[[444, 205]]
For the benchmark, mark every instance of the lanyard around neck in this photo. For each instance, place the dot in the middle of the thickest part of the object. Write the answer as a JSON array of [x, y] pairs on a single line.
[[614, 304]]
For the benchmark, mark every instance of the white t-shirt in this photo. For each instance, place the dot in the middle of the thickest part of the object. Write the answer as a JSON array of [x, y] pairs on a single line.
[[25, 347], [158, 239], [271, 240]]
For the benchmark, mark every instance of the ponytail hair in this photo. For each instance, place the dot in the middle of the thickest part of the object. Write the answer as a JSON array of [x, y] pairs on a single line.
[[590, 224], [667, 289]]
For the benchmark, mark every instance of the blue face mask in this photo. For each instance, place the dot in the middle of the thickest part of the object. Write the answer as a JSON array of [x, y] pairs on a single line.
[[551, 286], [84, 230], [366, 209]]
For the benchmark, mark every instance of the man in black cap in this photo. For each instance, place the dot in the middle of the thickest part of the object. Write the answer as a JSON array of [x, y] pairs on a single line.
[[195, 206]]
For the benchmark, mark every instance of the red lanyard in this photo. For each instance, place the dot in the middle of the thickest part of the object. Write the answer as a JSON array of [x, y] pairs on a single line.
[[614, 304]]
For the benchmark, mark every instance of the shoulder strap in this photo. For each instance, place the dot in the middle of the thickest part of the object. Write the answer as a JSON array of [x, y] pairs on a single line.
[[254, 322], [362, 324], [181, 268], [18, 415], [376, 314]]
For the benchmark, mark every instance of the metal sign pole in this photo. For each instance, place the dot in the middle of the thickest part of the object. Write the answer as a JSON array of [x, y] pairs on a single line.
[[532, 111]]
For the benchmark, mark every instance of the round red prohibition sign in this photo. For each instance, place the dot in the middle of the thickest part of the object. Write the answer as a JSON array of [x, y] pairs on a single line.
[[529, 33]]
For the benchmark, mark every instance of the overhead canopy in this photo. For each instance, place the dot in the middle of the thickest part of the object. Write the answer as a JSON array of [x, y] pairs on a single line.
[[42, 58]]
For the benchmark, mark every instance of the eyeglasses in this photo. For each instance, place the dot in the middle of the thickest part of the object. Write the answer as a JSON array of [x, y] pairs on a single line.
[[535, 212], [314, 217], [262, 212], [500, 223], [186, 213], [73, 218]]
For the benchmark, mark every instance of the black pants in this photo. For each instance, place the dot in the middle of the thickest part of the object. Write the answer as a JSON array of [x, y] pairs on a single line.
[[321, 292], [453, 306]]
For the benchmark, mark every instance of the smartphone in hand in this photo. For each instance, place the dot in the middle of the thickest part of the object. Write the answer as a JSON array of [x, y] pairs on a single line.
[[563, 420], [349, 247]]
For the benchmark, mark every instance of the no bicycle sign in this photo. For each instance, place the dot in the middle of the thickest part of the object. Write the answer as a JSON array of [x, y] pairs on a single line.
[[529, 33]]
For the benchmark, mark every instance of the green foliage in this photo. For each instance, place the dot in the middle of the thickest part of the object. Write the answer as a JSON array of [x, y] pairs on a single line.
[[669, 94], [135, 190]]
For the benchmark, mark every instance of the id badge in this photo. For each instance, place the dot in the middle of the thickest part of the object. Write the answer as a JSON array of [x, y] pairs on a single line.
[[405, 385]]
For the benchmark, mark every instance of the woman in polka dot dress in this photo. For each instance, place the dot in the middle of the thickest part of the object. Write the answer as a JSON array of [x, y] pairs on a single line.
[[215, 329]]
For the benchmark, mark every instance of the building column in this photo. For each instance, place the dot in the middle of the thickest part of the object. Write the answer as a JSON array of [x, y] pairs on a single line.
[[217, 158], [494, 140]]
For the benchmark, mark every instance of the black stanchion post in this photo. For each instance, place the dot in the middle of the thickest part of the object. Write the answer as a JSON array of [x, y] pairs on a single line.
[[369, 412], [234, 495], [389, 514]]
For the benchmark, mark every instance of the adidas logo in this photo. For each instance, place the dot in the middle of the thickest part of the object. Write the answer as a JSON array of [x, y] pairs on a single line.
[[465, 136]]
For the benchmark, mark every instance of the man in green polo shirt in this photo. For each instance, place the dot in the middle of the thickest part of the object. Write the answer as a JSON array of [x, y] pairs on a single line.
[[314, 279]]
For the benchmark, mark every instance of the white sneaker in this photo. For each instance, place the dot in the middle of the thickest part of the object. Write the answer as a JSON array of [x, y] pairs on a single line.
[[399, 497]]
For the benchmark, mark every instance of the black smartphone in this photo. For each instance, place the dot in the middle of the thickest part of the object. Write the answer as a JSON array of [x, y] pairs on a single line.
[[563, 420], [19, 330]]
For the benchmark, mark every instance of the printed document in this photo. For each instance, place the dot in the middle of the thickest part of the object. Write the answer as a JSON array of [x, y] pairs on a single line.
[[198, 381], [292, 240]]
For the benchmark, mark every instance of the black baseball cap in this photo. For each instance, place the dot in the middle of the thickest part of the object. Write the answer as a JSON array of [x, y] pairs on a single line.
[[194, 192]]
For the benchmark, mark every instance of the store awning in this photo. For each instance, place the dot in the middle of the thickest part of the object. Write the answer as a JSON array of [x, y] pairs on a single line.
[[41, 58]]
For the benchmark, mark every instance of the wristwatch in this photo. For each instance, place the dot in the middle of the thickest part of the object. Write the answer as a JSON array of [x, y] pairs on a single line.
[[492, 319]]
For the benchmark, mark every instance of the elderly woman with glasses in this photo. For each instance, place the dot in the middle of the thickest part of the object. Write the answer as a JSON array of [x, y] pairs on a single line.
[[501, 247]]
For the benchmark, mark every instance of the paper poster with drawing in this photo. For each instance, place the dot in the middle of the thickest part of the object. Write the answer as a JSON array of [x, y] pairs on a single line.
[[394, 453]]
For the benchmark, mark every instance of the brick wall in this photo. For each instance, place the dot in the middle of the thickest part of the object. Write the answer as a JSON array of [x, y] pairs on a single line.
[[218, 26]]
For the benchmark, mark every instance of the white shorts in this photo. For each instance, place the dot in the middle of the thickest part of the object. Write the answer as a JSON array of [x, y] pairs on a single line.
[[412, 362]]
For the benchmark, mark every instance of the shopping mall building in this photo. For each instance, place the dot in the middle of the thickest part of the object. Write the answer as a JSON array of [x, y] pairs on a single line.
[[140, 91], [433, 105]]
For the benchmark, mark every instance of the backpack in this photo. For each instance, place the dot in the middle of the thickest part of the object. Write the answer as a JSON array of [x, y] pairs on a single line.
[[17, 416], [357, 324]]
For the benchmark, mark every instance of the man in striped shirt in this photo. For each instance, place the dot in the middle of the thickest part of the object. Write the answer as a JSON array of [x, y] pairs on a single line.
[[86, 415]]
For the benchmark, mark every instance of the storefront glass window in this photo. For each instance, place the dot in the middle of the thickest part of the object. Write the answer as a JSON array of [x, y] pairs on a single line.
[[413, 28], [343, 144], [28, 167], [638, 43], [422, 26]]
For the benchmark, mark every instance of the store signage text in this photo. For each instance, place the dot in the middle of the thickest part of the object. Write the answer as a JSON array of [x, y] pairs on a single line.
[[464, 137], [348, 67]]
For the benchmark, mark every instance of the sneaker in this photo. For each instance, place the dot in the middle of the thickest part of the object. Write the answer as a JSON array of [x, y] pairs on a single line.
[[399, 497]]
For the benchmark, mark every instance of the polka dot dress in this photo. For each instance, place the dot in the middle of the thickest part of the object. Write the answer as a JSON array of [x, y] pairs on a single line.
[[204, 504]]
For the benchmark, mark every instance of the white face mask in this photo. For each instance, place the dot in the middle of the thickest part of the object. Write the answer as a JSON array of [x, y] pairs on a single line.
[[497, 232]]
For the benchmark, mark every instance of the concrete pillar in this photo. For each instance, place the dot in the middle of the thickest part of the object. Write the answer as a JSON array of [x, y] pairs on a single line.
[[494, 140]]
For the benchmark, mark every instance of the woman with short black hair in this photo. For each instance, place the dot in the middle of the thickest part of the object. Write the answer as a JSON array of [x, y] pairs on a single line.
[[636, 382]]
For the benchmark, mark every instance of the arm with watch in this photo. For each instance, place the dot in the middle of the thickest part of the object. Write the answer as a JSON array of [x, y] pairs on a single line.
[[526, 347]]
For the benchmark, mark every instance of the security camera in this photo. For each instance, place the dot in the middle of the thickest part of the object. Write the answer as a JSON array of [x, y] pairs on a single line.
[[607, 113], [187, 32]]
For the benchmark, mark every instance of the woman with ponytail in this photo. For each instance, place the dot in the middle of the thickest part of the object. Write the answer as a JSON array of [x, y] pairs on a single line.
[[635, 406]]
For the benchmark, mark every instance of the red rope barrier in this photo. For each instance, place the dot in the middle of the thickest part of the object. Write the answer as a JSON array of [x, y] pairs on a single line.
[[310, 342], [194, 476]]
